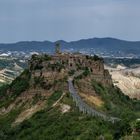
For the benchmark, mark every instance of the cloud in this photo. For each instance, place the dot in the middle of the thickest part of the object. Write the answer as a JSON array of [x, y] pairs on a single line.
[[68, 19]]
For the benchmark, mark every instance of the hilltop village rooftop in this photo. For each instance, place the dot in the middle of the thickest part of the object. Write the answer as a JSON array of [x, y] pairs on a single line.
[[60, 64]]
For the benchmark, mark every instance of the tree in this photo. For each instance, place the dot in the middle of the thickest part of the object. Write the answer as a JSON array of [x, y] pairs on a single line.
[[57, 48], [137, 126]]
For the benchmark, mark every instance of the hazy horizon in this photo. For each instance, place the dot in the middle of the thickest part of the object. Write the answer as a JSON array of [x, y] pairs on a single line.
[[68, 40]]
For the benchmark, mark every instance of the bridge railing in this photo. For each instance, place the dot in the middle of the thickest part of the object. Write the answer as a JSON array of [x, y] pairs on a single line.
[[85, 108]]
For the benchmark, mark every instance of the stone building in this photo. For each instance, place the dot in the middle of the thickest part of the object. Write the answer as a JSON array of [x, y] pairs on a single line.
[[58, 65]]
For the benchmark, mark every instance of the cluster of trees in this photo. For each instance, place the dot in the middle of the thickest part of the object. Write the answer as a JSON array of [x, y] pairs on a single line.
[[86, 72], [120, 105], [41, 58], [37, 61], [57, 66], [21, 83], [95, 57], [115, 101]]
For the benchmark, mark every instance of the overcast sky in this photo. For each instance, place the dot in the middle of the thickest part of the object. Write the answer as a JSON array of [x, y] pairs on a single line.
[[68, 19]]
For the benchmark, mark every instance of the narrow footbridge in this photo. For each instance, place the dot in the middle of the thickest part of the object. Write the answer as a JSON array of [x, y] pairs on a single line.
[[85, 108]]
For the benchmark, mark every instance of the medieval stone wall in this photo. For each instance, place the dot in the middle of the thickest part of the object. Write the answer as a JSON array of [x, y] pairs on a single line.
[[60, 64]]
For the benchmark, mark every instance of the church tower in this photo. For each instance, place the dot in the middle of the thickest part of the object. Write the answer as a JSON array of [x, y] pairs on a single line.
[[57, 48]]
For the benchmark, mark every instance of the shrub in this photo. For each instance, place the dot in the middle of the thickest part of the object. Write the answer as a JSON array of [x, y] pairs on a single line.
[[71, 72], [46, 57], [95, 57], [3, 90], [21, 83], [136, 126], [54, 97], [86, 71]]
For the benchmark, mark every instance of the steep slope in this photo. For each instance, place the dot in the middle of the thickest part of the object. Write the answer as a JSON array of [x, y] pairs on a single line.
[[38, 104], [52, 123], [127, 79], [85, 108], [10, 68]]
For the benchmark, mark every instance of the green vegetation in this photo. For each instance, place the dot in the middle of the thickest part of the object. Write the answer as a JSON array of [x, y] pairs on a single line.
[[41, 58], [5, 123], [119, 105], [47, 57], [57, 47], [51, 124], [116, 103], [71, 72], [21, 83], [136, 126], [86, 72], [9, 92], [57, 66], [55, 96], [79, 66], [3, 90], [38, 66], [95, 57]]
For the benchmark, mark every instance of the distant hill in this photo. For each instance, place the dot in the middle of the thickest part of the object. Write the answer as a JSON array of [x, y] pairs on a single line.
[[107, 46]]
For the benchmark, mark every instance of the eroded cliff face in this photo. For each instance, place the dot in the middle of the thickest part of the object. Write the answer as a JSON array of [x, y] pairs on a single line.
[[47, 74], [59, 66], [59, 84], [127, 80]]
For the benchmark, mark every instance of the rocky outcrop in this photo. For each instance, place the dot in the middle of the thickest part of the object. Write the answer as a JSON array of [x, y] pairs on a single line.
[[127, 80], [58, 66]]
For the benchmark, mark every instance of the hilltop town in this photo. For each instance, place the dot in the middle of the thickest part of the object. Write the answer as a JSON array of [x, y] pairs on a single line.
[[61, 65], [61, 87]]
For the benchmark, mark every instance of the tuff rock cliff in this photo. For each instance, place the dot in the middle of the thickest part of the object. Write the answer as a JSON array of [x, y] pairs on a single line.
[[65, 93]]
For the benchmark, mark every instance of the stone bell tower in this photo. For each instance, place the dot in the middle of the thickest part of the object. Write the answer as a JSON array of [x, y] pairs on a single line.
[[57, 48]]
